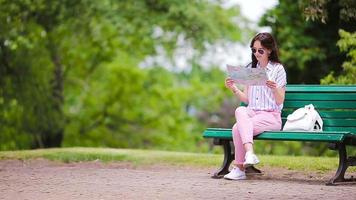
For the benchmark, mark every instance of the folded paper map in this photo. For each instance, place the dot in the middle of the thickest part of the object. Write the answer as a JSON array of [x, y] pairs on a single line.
[[247, 76]]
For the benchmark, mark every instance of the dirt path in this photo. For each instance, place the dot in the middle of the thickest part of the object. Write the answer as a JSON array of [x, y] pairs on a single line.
[[41, 179]]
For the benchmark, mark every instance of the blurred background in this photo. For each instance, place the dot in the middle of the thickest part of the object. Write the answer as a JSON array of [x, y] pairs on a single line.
[[149, 74]]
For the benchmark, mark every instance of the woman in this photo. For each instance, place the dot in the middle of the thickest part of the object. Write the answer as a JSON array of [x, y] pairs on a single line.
[[265, 103]]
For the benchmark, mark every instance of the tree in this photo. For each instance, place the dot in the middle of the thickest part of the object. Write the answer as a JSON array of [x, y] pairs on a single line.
[[307, 48], [347, 43], [317, 11], [66, 75]]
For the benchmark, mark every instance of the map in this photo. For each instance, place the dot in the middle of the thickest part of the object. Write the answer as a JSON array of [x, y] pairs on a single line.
[[247, 76]]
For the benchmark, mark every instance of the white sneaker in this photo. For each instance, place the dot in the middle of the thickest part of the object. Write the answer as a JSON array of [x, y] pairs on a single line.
[[250, 159], [236, 174]]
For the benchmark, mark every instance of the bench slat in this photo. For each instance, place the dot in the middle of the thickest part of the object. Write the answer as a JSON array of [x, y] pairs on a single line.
[[343, 114], [321, 104], [321, 96], [334, 122], [220, 133], [350, 129], [296, 136], [325, 136], [321, 88]]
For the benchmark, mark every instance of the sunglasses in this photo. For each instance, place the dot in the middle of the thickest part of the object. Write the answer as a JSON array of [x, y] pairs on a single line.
[[260, 51]]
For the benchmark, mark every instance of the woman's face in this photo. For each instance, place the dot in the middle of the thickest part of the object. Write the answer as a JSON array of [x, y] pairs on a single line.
[[260, 52]]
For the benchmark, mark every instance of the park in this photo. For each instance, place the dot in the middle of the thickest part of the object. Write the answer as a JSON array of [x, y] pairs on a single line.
[[126, 99]]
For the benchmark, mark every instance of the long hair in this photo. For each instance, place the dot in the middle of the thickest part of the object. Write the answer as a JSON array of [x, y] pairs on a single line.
[[268, 42]]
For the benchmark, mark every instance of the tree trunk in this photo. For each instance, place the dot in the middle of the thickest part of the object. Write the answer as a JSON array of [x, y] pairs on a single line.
[[54, 136]]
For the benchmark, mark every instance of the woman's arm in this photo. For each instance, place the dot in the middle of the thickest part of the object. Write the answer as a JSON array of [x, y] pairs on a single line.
[[279, 93], [242, 95]]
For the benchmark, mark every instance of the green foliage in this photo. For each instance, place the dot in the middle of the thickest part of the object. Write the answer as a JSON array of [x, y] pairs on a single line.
[[307, 48], [11, 138], [141, 108], [316, 10], [347, 43], [69, 69], [28, 59]]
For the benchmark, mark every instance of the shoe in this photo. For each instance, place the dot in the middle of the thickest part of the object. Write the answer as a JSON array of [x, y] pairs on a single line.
[[250, 159], [236, 174]]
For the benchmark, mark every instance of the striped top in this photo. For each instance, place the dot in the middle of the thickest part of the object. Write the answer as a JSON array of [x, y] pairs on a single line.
[[260, 97]]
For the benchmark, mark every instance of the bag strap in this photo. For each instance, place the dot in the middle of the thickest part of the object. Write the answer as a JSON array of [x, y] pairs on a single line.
[[318, 121]]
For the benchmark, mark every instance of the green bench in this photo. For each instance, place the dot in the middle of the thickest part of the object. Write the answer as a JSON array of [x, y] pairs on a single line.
[[337, 107]]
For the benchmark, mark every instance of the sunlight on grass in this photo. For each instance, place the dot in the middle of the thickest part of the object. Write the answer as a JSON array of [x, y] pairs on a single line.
[[149, 157]]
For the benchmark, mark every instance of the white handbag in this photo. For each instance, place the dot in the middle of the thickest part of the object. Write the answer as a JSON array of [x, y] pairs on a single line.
[[304, 119]]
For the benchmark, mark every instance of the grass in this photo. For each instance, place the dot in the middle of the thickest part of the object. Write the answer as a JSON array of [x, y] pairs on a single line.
[[149, 157]]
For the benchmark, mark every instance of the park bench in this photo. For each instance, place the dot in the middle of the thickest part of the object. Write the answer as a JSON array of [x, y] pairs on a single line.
[[337, 107]]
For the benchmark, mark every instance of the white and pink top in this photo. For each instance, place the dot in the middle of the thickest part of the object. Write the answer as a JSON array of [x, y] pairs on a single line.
[[260, 97]]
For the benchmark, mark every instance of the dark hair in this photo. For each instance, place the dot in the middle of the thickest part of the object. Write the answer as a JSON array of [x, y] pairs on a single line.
[[268, 42]]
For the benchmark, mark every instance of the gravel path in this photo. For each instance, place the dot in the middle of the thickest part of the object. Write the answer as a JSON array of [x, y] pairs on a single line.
[[41, 179]]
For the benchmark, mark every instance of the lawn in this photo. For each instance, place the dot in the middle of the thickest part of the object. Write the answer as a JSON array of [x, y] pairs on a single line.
[[149, 157]]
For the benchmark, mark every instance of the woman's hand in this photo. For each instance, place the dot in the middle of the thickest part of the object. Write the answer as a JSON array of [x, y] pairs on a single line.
[[272, 85], [230, 83], [279, 93]]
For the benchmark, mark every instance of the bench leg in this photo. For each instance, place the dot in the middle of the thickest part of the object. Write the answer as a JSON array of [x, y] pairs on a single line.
[[228, 157], [344, 163]]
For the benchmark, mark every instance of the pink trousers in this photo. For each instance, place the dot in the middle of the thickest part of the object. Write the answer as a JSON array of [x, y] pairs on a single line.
[[250, 123]]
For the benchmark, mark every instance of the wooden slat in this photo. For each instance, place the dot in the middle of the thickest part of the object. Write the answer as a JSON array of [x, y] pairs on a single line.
[[333, 122], [350, 129], [335, 114], [321, 88], [326, 136], [296, 136], [217, 133], [321, 104], [321, 96], [229, 131], [339, 122]]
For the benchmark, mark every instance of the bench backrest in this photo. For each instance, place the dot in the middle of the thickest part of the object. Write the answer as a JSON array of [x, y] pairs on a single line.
[[335, 104]]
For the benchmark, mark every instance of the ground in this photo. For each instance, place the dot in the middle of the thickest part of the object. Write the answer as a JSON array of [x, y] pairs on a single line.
[[42, 179]]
